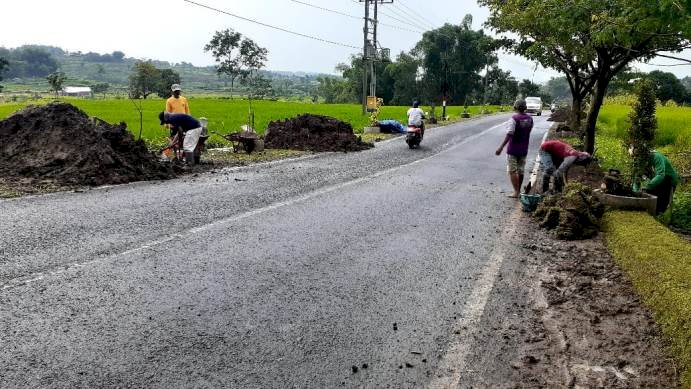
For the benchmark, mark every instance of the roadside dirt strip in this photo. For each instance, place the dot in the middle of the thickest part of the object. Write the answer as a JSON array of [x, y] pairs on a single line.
[[582, 324]]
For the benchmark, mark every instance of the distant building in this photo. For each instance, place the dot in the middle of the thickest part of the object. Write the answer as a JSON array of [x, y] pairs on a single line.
[[76, 91]]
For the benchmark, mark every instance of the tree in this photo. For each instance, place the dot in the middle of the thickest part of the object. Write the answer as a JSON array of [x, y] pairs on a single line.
[[144, 80], [558, 88], [591, 41], [100, 71], [624, 83], [252, 57], [118, 56], [333, 90], [225, 47], [641, 133], [3, 66], [667, 86], [403, 72], [56, 80], [100, 88], [451, 57], [259, 86], [167, 77], [501, 87], [528, 88]]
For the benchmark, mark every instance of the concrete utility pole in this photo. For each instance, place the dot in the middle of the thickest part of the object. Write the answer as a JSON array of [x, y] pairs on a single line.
[[372, 51]]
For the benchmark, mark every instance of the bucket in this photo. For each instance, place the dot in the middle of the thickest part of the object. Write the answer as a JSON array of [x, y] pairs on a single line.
[[529, 202]]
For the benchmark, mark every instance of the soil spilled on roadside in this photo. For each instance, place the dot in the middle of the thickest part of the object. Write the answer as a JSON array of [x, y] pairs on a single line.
[[593, 330], [313, 133], [61, 144]]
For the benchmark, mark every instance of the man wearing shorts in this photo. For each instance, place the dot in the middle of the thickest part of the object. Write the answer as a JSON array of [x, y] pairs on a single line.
[[517, 137]]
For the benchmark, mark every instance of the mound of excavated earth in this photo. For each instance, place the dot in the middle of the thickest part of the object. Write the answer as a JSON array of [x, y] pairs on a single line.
[[573, 214], [60, 143], [561, 114], [313, 133]]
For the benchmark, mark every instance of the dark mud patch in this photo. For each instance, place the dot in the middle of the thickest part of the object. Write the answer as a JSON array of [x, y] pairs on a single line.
[[313, 133], [58, 144]]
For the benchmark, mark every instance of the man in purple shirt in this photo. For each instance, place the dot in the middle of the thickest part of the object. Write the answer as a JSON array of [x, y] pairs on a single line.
[[517, 137]]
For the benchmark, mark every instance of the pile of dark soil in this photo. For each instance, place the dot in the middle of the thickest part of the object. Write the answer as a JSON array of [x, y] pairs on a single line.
[[313, 133], [561, 114], [59, 143], [573, 214]]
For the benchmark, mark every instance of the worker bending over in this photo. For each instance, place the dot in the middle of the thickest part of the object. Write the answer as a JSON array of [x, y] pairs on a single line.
[[182, 125]]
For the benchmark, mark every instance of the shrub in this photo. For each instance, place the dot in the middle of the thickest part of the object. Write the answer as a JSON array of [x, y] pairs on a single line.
[[681, 210], [641, 134]]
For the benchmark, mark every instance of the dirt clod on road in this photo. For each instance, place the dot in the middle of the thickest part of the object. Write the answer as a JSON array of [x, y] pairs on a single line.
[[61, 144], [313, 133]]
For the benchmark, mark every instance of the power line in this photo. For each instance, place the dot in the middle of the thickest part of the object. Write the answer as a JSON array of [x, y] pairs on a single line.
[[402, 3], [350, 16], [410, 13], [408, 22], [271, 26], [421, 28], [327, 9], [409, 17]]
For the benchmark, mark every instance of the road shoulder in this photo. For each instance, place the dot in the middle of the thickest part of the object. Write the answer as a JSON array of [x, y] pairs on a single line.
[[562, 314]]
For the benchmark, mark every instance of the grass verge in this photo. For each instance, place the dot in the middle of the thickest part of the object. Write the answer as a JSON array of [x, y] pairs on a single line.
[[659, 264]]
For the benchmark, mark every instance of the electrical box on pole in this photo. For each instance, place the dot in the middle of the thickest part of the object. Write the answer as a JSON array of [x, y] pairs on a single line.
[[372, 52]]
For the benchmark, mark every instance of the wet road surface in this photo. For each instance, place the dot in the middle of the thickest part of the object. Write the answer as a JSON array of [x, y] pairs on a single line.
[[289, 274]]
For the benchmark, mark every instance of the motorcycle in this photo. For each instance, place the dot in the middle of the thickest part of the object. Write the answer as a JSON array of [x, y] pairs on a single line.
[[414, 136]]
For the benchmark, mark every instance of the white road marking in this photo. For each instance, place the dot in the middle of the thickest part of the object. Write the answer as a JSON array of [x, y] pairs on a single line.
[[453, 364], [25, 280]]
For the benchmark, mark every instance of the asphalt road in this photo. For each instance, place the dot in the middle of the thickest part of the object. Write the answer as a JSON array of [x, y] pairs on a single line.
[[286, 274]]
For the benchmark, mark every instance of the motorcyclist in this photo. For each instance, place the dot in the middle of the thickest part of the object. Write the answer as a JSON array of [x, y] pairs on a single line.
[[416, 116]]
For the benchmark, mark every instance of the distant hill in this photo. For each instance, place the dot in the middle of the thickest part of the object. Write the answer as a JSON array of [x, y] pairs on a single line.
[[115, 68]]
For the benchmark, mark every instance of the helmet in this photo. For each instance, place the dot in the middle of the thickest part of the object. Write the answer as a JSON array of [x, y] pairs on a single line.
[[520, 105], [416, 104]]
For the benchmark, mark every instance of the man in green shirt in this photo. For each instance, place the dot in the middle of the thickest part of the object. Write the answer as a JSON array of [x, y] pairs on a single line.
[[664, 182]]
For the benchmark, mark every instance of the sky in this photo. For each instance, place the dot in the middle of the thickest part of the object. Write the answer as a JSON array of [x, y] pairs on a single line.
[[176, 30]]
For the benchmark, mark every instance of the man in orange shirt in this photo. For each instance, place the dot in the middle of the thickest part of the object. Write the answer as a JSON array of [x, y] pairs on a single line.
[[177, 103]]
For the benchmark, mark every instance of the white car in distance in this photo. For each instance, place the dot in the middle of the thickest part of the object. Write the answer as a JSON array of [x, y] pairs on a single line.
[[534, 105]]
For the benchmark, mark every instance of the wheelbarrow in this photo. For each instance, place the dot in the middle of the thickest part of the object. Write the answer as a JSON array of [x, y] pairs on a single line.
[[245, 140]]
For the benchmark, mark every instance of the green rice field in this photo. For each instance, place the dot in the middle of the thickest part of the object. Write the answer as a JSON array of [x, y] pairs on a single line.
[[226, 115]]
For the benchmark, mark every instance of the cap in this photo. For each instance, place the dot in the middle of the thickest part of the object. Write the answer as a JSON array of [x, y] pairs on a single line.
[[175, 87]]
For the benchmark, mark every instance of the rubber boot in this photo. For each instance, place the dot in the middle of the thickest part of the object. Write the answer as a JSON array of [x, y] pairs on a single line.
[[189, 158]]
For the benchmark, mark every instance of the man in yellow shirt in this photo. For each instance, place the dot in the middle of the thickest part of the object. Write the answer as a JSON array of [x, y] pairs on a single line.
[[177, 103]]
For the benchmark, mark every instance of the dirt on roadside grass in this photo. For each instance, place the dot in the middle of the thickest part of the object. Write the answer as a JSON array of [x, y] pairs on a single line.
[[58, 144], [313, 133]]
